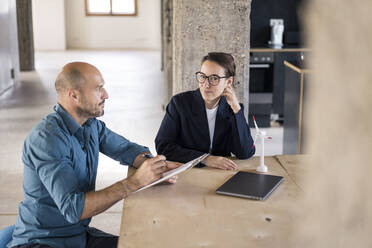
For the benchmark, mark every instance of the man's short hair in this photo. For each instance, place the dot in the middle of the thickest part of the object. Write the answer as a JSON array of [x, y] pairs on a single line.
[[69, 79]]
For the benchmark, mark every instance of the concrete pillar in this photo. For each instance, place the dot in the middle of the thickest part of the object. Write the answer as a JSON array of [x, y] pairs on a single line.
[[199, 27], [25, 35], [167, 49]]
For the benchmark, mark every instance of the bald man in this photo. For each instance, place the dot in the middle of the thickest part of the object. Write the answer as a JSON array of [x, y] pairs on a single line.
[[60, 158]]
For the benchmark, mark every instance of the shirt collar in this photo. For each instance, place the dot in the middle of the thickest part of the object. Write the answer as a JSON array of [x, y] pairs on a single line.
[[71, 124]]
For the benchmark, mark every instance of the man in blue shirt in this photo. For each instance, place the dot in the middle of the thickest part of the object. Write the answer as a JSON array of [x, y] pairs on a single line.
[[60, 158]]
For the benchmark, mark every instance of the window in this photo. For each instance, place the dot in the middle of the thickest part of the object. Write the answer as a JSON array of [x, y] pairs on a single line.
[[111, 7]]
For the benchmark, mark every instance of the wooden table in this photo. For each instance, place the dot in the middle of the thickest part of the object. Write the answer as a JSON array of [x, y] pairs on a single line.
[[191, 214]]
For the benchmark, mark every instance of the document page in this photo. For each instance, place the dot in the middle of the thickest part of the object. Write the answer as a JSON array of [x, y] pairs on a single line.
[[176, 171]]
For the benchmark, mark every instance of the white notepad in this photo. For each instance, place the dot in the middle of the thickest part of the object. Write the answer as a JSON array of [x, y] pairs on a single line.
[[176, 171]]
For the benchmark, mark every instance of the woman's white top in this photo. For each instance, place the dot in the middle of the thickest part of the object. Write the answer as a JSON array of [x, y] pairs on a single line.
[[211, 116]]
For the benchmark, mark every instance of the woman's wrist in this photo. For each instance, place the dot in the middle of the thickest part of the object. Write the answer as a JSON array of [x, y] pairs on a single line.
[[236, 108], [208, 160]]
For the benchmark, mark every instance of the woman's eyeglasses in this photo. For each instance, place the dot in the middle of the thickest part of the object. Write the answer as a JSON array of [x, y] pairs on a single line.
[[212, 79]]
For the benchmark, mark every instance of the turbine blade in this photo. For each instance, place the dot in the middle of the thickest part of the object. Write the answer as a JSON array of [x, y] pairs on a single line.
[[254, 141], [255, 124], [255, 138]]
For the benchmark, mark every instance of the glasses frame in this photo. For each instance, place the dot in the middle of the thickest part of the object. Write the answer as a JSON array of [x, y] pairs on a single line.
[[209, 78]]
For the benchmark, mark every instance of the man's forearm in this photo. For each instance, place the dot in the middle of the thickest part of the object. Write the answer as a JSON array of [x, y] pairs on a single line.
[[98, 201]]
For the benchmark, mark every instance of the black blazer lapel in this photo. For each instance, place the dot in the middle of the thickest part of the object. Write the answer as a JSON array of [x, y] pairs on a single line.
[[223, 119], [198, 109]]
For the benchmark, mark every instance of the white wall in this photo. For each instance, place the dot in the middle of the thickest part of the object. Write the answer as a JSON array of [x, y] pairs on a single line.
[[9, 58], [141, 31], [48, 18]]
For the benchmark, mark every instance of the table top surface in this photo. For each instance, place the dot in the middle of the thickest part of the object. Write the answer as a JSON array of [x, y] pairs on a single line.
[[191, 214]]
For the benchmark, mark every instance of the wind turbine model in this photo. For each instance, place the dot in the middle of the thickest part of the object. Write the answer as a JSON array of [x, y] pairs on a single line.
[[262, 134]]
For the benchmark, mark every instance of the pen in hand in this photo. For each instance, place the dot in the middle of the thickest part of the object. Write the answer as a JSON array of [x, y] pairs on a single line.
[[149, 155]]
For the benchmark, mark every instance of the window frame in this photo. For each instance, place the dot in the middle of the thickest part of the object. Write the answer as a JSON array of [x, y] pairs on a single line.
[[87, 13]]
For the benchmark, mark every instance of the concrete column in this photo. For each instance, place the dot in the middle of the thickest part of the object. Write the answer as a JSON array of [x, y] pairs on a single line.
[[167, 49], [25, 35], [206, 26]]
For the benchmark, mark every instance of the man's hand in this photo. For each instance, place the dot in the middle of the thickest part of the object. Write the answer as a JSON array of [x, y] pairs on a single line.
[[220, 162], [170, 166], [171, 180], [150, 170], [231, 98]]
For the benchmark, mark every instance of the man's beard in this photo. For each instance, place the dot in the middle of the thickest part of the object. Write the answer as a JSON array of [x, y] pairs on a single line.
[[89, 111]]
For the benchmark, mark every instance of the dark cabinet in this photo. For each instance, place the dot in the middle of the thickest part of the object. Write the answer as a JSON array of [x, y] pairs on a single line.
[[261, 78], [294, 108], [279, 79], [267, 83]]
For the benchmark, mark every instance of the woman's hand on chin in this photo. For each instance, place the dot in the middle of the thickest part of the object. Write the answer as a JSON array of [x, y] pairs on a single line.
[[231, 98], [220, 163]]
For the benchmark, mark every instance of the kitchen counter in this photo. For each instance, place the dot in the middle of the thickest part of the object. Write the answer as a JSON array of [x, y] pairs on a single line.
[[284, 49]]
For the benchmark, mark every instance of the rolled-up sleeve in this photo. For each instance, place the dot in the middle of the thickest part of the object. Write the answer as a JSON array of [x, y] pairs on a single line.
[[117, 147], [50, 155]]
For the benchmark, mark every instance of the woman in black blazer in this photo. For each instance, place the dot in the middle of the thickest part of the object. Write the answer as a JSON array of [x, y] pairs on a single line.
[[207, 120]]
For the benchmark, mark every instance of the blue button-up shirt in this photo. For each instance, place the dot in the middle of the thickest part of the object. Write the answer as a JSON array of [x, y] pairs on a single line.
[[60, 160]]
